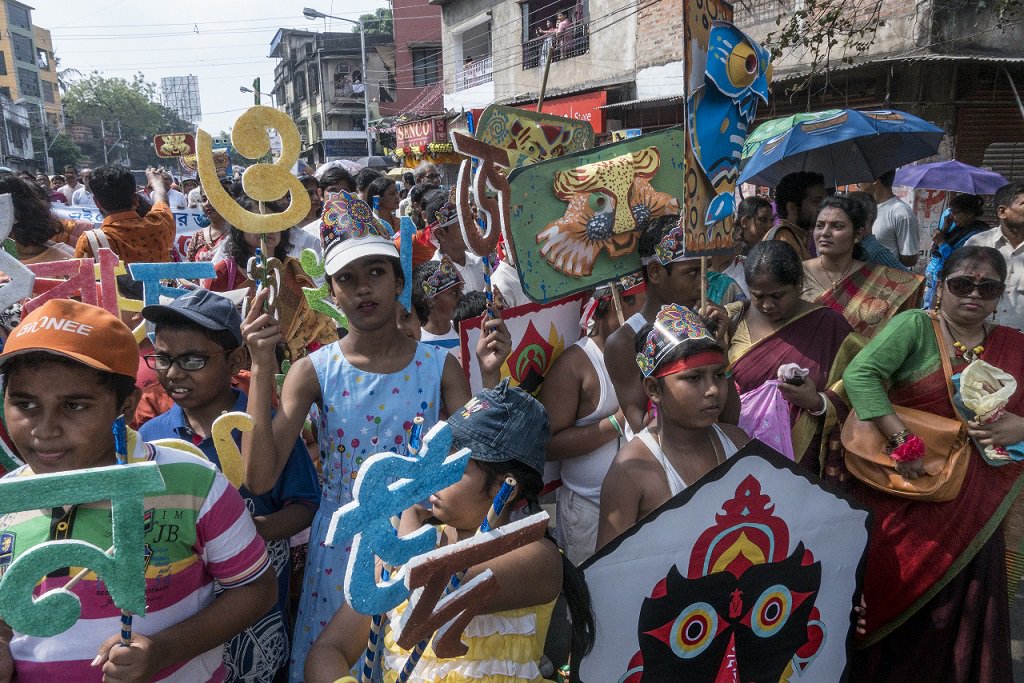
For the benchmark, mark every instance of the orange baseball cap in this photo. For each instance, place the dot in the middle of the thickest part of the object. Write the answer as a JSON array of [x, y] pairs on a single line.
[[85, 333]]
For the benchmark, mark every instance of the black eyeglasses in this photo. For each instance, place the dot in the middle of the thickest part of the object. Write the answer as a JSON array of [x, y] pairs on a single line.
[[962, 285], [434, 175], [190, 362]]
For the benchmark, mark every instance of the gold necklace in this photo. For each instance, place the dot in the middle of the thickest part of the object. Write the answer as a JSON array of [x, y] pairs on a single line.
[[835, 283]]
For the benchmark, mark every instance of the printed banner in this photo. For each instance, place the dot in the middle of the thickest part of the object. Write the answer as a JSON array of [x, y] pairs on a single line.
[[187, 221], [750, 574], [539, 334]]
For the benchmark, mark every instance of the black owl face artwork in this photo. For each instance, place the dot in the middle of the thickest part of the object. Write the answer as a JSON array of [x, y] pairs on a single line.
[[723, 627]]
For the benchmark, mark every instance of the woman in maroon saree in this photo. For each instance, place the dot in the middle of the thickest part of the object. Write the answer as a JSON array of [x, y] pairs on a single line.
[[936, 579], [778, 327]]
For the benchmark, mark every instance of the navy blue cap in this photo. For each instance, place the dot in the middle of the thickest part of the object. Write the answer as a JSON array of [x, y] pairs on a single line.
[[200, 307], [504, 423]]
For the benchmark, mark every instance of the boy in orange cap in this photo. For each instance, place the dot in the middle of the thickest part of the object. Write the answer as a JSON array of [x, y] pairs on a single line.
[[68, 372]]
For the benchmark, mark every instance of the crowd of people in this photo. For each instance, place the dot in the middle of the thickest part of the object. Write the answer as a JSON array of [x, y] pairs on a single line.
[[819, 303]]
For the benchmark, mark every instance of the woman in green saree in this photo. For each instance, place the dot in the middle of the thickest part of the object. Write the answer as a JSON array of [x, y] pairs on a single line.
[[935, 583]]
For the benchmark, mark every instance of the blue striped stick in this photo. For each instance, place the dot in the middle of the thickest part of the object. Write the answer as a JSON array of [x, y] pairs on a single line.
[[413, 445], [497, 507], [488, 292], [120, 430]]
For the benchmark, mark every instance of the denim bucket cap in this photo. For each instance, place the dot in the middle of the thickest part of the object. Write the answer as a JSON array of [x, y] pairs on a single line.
[[201, 307], [504, 423]]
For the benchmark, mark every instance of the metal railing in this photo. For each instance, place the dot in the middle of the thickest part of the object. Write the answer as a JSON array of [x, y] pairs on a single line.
[[572, 42], [474, 73]]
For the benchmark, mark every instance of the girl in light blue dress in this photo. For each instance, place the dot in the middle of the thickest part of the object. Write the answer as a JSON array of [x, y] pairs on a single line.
[[368, 387]]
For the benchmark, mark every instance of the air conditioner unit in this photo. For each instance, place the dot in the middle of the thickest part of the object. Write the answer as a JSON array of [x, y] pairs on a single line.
[[342, 69]]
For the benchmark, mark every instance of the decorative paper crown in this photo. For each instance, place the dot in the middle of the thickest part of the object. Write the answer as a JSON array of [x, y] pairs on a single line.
[[447, 213], [346, 222], [671, 248], [673, 326], [441, 280], [628, 285]]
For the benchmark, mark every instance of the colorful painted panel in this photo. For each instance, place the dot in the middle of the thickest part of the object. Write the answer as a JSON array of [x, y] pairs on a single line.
[[576, 220], [750, 574], [701, 238], [530, 137]]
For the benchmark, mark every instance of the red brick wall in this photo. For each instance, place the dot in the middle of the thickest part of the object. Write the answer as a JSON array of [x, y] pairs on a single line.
[[659, 33], [415, 21]]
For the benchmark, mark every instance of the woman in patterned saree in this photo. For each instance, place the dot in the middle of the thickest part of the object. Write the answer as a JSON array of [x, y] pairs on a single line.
[[867, 294], [777, 327], [935, 584]]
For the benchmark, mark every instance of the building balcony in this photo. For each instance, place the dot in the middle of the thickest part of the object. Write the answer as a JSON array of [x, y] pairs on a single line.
[[572, 42], [474, 73]]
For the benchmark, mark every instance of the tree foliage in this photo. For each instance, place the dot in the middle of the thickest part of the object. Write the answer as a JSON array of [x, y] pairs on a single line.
[[132, 103], [380, 23], [821, 32], [64, 152]]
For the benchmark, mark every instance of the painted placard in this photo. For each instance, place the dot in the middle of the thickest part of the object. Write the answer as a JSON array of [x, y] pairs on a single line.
[[539, 334], [749, 574], [576, 220], [172, 145], [529, 136]]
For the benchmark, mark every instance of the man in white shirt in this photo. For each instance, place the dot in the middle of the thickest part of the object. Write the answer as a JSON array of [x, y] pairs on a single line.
[[1008, 239], [83, 195], [175, 199], [895, 226], [70, 183]]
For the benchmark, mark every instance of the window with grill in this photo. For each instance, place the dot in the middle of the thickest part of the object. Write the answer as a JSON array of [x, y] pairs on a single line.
[[18, 15], [758, 11], [42, 59], [48, 92], [3, 65], [426, 66], [23, 50], [28, 83]]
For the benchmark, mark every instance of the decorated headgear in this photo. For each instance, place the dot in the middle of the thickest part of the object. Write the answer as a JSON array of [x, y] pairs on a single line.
[[673, 326], [670, 249], [444, 278], [446, 214], [629, 285], [349, 230]]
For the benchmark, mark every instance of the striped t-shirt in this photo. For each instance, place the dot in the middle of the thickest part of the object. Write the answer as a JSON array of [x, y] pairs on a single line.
[[196, 530]]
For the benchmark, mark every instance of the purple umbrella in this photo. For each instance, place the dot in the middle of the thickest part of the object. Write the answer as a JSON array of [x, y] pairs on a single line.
[[950, 175]]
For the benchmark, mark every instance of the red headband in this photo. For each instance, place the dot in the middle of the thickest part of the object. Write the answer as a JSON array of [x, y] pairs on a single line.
[[697, 360]]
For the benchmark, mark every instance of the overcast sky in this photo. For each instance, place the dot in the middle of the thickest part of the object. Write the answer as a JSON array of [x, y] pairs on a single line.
[[224, 43]]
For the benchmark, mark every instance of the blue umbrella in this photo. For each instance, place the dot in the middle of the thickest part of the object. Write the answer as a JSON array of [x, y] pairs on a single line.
[[844, 145], [953, 175]]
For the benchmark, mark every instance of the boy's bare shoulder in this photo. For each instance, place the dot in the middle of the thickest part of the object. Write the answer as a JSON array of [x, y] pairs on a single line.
[[735, 434], [635, 456]]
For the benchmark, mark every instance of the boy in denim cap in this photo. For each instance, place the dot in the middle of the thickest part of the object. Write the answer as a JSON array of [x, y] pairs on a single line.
[[69, 372], [198, 348]]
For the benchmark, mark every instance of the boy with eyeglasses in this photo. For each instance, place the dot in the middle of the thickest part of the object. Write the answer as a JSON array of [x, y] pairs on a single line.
[[68, 371], [197, 350]]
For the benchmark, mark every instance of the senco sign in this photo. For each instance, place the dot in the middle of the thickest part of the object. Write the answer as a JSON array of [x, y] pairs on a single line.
[[422, 132]]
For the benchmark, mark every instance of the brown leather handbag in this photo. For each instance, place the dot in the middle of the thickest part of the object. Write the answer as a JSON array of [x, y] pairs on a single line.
[[947, 443]]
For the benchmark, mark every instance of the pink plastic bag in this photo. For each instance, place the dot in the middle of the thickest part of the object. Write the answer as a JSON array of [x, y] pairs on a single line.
[[764, 415]]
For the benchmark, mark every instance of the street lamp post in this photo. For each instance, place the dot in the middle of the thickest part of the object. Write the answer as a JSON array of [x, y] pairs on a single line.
[[311, 13], [273, 98]]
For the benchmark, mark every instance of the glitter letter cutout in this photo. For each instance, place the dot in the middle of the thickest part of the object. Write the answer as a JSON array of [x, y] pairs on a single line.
[[262, 182], [377, 500], [123, 573]]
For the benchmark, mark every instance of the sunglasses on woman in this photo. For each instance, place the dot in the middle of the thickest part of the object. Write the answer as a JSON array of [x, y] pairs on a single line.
[[963, 286]]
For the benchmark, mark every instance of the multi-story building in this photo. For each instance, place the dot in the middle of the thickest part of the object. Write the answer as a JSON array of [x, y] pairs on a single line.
[[951, 63], [319, 82], [48, 84], [612, 63], [418, 60]]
